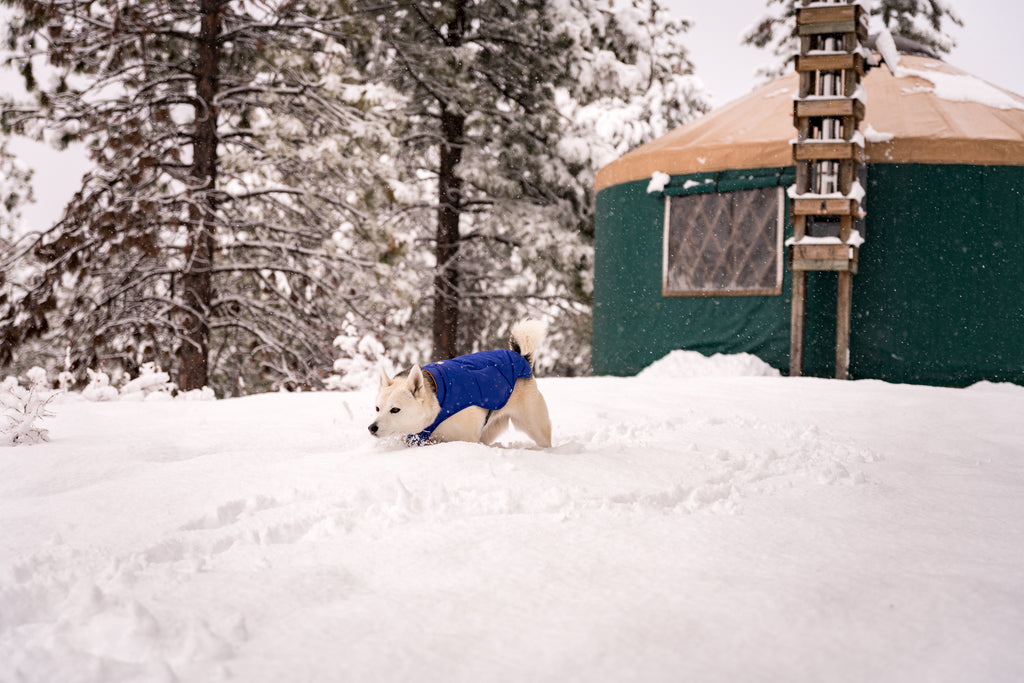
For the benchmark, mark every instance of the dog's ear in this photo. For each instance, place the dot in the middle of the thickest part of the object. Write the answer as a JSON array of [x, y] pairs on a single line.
[[384, 379], [415, 380]]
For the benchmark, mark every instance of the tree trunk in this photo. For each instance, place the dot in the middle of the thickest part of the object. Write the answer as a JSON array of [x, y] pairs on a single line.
[[446, 279], [449, 210], [196, 277]]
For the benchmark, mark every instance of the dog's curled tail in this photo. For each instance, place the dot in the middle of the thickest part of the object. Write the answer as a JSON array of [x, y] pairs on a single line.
[[526, 338]]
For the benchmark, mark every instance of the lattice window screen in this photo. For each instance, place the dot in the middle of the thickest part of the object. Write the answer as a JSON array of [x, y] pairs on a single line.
[[724, 244]]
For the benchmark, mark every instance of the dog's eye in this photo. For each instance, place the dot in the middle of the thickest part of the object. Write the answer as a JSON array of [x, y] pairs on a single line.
[[395, 410], [377, 408]]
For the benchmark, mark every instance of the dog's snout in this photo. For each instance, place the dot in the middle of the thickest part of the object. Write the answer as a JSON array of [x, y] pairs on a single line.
[[373, 428]]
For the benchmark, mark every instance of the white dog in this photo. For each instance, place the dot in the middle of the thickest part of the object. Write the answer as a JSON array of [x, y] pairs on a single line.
[[468, 398]]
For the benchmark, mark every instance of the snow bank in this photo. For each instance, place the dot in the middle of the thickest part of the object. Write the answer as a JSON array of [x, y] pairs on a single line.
[[717, 529], [694, 364], [998, 387]]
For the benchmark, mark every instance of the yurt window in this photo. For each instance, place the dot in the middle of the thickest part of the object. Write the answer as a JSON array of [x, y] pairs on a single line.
[[724, 243]]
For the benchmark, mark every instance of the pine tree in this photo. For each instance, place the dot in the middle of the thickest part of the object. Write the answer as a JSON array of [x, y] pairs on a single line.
[[477, 75], [923, 21], [502, 133], [215, 234]]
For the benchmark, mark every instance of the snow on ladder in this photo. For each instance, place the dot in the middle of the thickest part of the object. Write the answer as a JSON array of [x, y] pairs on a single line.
[[826, 199]]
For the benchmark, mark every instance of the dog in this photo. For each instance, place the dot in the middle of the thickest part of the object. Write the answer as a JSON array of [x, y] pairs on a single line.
[[468, 398]]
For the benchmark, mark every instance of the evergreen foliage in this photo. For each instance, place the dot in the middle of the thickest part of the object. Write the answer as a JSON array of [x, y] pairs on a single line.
[[215, 234], [23, 408], [15, 191], [923, 21], [268, 176], [510, 109]]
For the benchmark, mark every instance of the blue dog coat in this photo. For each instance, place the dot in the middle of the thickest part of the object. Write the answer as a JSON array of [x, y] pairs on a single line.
[[484, 379]]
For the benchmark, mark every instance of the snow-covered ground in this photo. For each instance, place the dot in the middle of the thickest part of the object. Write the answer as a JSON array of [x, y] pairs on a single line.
[[687, 525]]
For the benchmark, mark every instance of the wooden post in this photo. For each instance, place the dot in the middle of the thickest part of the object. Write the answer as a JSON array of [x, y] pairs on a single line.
[[844, 300], [797, 319]]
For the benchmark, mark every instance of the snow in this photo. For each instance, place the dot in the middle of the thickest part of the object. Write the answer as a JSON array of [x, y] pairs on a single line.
[[658, 182], [887, 47], [857, 190], [701, 521], [855, 240], [961, 88], [872, 135], [694, 364]]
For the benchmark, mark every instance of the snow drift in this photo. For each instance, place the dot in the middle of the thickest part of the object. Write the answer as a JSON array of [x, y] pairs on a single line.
[[712, 528]]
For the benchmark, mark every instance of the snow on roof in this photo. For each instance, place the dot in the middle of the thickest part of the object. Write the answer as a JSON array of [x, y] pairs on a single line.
[[931, 112], [962, 88]]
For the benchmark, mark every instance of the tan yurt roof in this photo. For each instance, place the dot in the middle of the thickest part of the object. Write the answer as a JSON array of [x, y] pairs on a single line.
[[928, 112]]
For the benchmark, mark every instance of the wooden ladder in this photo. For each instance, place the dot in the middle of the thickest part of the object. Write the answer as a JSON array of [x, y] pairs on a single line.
[[827, 153]]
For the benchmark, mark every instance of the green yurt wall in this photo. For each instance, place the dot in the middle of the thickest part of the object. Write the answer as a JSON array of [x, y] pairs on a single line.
[[634, 324], [939, 296]]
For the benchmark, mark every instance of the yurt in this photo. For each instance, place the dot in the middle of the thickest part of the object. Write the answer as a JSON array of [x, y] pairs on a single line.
[[691, 231]]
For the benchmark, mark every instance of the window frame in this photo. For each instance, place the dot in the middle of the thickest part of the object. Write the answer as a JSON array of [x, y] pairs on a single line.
[[780, 228]]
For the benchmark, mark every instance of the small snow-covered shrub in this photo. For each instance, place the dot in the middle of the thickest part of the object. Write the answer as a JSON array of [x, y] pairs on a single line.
[[360, 357], [99, 388], [152, 384], [24, 408], [204, 394], [66, 379]]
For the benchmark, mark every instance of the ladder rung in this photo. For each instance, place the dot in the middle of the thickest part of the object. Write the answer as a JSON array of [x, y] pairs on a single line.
[[824, 15], [823, 257], [834, 62], [835, 106], [813, 151], [825, 206]]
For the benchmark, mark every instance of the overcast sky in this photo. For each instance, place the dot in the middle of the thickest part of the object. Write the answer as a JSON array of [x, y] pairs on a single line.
[[989, 46]]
